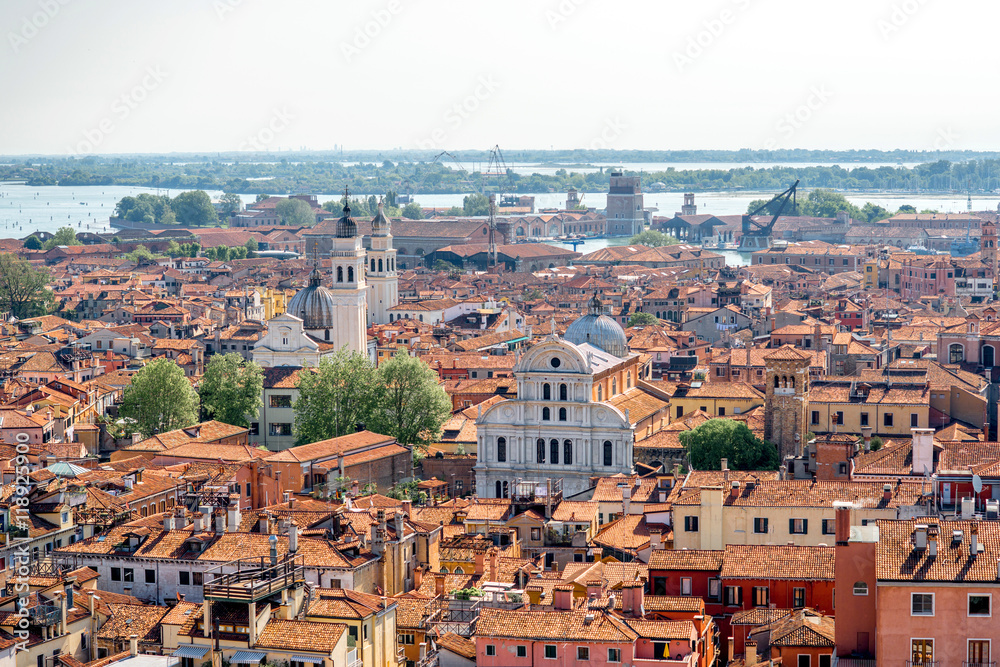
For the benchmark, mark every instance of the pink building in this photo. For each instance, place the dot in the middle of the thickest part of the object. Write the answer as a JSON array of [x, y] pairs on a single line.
[[934, 583]]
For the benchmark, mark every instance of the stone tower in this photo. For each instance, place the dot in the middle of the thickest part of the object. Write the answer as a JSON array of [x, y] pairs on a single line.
[[988, 246], [625, 214], [383, 290], [786, 403], [349, 289]]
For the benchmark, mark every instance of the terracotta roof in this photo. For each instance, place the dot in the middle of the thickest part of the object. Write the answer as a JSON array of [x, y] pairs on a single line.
[[552, 625], [294, 635], [458, 645], [771, 561], [686, 559], [897, 558], [332, 447]]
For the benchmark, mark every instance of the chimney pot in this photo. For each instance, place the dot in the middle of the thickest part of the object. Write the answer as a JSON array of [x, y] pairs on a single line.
[[133, 645]]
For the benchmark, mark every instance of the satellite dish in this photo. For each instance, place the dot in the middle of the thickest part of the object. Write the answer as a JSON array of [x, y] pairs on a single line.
[[977, 483]]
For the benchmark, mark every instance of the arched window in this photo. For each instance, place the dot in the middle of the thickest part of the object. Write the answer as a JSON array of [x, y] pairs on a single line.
[[614, 386], [554, 451], [956, 353], [546, 392], [540, 450], [340, 274], [562, 414], [501, 449], [392, 264], [860, 588], [350, 274], [563, 392], [326, 334], [776, 385], [380, 265], [609, 454], [506, 490], [459, 570], [373, 263], [600, 392], [568, 452], [546, 415], [498, 490], [791, 382]]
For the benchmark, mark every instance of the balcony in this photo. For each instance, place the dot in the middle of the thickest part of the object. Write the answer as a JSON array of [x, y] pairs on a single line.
[[44, 614], [980, 664], [252, 579], [923, 663]]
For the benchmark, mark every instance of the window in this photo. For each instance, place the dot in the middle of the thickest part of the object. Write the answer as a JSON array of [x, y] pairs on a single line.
[[691, 523], [921, 604], [864, 419], [582, 653], [685, 585], [798, 597], [824, 661], [409, 639], [798, 526], [563, 393], [814, 419], [281, 401], [839, 418], [196, 578], [555, 362], [150, 576], [568, 452], [761, 596], [546, 392], [979, 605], [550, 651], [248, 490], [254, 428], [281, 429], [887, 419], [734, 596], [562, 414], [491, 649], [183, 578], [956, 353], [116, 574], [760, 525], [614, 655], [914, 420], [802, 660], [546, 414], [521, 651], [608, 453], [128, 574], [501, 449], [554, 451], [540, 450], [979, 653], [921, 651], [829, 526], [536, 534]]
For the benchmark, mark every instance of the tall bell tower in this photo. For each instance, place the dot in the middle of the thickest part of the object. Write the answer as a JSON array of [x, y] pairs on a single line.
[[383, 282], [786, 402], [988, 246], [347, 257]]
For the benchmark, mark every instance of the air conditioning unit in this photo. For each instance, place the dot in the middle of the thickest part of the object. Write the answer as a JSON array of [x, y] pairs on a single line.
[[993, 509]]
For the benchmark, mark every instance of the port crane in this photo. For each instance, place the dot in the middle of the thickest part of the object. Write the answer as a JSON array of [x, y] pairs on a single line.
[[757, 235]]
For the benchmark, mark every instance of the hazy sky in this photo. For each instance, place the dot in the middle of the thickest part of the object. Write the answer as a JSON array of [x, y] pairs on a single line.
[[96, 76]]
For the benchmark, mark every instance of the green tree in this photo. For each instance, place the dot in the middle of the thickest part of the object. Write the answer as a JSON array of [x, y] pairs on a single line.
[[231, 389], [32, 243], [261, 197], [116, 239], [194, 207], [252, 246], [23, 291], [408, 491], [64, 236], [716, 439], [159, 398], [534, 294], [873, 212], [906, 208], [476, 204], [826, 204], [173, 248], [653, 239], [413, 211], [412, 404], [639, 319], [295, 213], [340, 393], [231, 202], [140, 254]]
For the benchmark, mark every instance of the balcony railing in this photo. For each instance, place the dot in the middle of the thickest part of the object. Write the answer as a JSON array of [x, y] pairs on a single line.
[[923, 663], [44, 614], [992, 663]]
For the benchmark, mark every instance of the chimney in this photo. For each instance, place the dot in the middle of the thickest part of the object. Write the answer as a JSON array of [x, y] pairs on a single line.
[[920, 536], [438, 585], [286, 496], [494, 558], [734, 489], [866, 433], [418, 577], [887, 492], [291, 502], [562, 597], [923, 450], [842, 522], [220, 521], [480, 562], [655, 539], [293, 537], [168, 522], [974, 540], [264, 523], [932, 539], [234, 518], [199, 522], [133, 645], [724, 465], [407, 507], [399, 525]]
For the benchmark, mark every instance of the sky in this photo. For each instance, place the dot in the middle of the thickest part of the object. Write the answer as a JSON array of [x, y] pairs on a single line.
[[100, 76]]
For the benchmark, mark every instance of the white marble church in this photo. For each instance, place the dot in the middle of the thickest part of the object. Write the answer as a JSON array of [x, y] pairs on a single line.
[[571, 418], [322, 319]]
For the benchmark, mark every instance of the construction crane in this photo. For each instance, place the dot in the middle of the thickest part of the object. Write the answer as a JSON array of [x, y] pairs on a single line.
[[496, 175], [757, 236]]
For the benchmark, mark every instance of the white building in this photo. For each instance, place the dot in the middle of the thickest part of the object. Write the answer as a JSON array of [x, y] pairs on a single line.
[[571, 418], [286, 343], [383, 291]]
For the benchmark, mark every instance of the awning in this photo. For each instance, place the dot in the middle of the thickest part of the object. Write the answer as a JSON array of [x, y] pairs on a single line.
[[314, 659], [247, 657], [190, 651]]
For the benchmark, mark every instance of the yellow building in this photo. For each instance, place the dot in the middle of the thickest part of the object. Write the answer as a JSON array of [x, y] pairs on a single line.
[[719, 399], [370, 621], [847, 406], [274, 301]]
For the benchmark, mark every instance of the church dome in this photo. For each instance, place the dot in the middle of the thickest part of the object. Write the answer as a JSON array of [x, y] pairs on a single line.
[[346, 227], [314, 304], [599, 330], [380, 223]]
